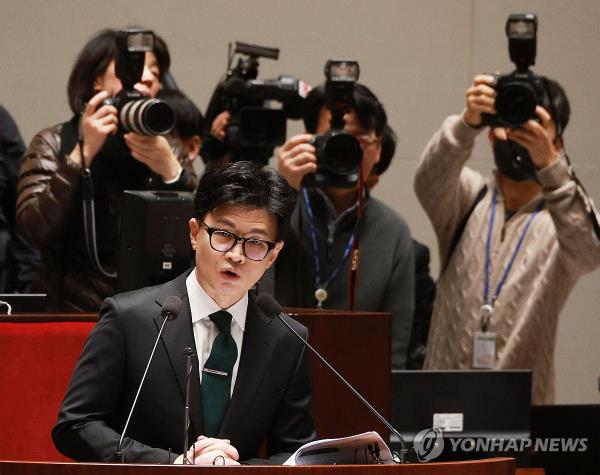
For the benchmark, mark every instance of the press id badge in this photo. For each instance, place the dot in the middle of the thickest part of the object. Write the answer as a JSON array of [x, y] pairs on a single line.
[[484, 350]]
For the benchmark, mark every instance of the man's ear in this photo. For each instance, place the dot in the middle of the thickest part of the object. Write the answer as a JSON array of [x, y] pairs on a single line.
[[192, 146], [559, 143], [378, 152], [274, 253], [194, 230]]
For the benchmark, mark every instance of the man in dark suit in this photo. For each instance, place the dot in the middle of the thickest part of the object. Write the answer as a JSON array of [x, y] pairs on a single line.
[[249, 381]]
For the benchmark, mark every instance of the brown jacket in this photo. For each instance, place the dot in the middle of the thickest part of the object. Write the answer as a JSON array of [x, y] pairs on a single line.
[[49, 213]]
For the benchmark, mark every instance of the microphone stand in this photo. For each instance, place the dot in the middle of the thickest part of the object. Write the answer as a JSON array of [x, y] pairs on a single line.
[[188, 352], [119, 453], [402, 456]]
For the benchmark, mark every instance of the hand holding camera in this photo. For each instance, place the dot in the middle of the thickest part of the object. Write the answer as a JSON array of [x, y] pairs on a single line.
[[525, 136], [538, 139], [137, 113], [480, 100], [220, 124], [154, 152], [243, 120], [97, 123], [518, 93], [297, 158]]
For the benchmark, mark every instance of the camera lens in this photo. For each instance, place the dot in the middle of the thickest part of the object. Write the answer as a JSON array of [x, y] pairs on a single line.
[[515, 103], [342, 154], [147, 117]]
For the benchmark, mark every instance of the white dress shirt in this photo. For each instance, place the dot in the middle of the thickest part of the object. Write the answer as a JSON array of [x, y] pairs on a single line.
[[205, 331]]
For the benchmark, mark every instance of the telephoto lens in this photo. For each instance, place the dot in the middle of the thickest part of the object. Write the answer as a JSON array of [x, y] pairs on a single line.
[[147, 117]]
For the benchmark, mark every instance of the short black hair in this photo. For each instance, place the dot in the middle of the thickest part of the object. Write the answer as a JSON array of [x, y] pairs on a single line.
[[371, 116], [556, 102], [93, 60], [249, 185], [388, 148], [188, 118], [371, 113]]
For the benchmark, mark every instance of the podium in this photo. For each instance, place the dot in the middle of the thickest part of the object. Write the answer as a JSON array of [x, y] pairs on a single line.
[[497, 466], [357, 345], [39, 353]]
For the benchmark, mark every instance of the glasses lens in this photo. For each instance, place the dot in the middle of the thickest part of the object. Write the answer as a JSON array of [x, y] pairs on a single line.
[[222, 241], [255, 250]]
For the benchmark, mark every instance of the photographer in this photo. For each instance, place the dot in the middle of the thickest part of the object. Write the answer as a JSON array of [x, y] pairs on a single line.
[[513, 245], [334, 219], [92, 147], [18, 259], [242, 123]]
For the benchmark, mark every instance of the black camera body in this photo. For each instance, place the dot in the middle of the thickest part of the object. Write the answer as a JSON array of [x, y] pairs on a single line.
[[518, 93], [339, 154], [135, 112], [255, 127]]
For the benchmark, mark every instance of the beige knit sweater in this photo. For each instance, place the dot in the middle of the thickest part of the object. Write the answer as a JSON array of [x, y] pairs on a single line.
[[559, 247]]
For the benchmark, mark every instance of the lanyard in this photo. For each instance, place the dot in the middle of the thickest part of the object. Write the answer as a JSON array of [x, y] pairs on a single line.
[[488, 243], [313, 234]]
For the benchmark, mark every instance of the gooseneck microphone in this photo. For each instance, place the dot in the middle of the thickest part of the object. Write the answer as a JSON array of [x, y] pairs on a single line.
[[272, 308], [171, 307]]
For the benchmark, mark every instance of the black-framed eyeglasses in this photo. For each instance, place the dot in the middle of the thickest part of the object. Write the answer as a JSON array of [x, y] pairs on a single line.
[[223, 241]]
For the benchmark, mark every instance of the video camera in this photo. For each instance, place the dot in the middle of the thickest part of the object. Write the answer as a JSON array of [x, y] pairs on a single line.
[[339, 154], [519, 92], [137, 113], [255, 128]]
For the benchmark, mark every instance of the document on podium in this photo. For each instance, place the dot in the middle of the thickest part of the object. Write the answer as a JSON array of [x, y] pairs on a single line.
[[367, 448]]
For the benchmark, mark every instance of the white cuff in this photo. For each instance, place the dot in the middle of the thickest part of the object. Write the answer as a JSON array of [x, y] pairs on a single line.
[[173, 180]]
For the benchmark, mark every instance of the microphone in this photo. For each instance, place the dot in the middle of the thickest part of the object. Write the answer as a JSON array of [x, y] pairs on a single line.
[[271, 307], [171, 307]]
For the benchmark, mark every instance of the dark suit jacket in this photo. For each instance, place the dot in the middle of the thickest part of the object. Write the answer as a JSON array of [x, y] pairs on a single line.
[[271, 398]]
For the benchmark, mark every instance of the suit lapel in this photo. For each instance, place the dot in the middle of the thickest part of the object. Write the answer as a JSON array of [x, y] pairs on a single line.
[[257, 350], [177, 336]]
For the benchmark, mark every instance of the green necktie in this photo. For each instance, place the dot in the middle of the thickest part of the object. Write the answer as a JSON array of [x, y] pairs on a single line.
[[216, 375]]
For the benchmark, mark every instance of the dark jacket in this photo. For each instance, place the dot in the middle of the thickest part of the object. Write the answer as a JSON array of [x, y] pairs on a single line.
[[386, 273], [18, 259], [49, 212], [271, 397]]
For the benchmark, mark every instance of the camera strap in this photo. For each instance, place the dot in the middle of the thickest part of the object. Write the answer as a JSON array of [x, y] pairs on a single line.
[[89, 217], [488, 304], [355, 262], [321, 285], [460, 229], [68, 140]]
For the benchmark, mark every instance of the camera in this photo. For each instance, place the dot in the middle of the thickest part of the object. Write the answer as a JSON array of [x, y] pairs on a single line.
[[135, 112], [519, 92], [339, 154], [256, 126]]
